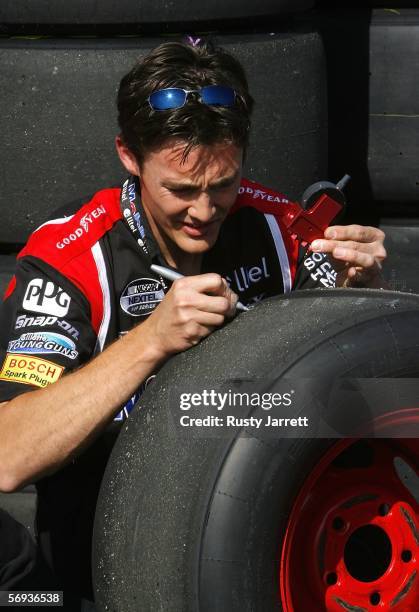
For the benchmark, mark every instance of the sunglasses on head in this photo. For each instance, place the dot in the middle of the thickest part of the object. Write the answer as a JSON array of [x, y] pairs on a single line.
[[175, 97]]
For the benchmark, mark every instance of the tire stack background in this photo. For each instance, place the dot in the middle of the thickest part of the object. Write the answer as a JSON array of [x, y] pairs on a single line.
[[372, 58], [336, 92]]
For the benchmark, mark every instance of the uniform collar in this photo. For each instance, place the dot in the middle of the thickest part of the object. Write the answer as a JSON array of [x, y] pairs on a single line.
[[135, 218]]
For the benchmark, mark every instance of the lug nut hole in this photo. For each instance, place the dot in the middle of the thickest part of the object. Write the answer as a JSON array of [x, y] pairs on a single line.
[[384, 509], [407, 556], [338, 524], [375, 599], [331, 578]]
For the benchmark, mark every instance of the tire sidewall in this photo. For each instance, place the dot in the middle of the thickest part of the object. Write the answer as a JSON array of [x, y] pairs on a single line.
[[203, 519]]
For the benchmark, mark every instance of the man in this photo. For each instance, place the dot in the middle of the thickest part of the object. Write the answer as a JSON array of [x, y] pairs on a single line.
[[85, 322]]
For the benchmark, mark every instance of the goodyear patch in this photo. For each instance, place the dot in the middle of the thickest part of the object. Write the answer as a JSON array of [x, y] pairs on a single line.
[[30, 370]]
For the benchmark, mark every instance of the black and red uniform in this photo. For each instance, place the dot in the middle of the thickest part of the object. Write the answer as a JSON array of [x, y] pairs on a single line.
[[82, 281]]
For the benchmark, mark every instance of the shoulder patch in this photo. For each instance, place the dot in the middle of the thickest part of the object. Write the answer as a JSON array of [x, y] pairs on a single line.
[[70, 246], [60, 240]]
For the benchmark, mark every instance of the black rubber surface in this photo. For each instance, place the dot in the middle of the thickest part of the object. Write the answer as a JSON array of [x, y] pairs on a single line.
[[372, 57], [7, 266], [402, 264], [392, 4], [394, 106], [59, 119], [195, 524], [140, 11], [22, 506]]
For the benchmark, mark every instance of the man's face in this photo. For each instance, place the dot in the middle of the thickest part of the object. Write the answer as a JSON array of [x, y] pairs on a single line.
[[187, 201]]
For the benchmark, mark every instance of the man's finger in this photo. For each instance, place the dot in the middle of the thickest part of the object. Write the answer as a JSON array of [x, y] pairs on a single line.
[[213, 303], [376, 249], [202, 290], [221, 288], [204, 283], [355, 258], [327, 246], [209, 319], [358, 233]]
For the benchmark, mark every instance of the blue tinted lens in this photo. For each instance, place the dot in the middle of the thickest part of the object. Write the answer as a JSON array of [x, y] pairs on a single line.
[[163, 99], [218, 95]]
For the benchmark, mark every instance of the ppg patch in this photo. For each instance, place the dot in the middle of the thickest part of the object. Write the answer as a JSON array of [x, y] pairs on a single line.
[[47, 298]]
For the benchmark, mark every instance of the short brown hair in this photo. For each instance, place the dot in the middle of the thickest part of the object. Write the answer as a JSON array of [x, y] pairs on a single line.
[[177, 64]]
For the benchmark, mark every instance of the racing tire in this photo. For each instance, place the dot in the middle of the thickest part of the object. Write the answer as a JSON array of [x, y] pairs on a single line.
[[247, 523], [88, 12]]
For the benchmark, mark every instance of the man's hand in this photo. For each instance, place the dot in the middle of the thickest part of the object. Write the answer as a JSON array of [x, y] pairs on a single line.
[[357, 252], [193, 307]]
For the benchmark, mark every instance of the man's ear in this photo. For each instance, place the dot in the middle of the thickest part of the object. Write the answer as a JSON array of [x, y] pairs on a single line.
[[127, 157]]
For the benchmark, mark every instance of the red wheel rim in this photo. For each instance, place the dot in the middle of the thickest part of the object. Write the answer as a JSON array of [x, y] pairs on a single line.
[[352, 539]]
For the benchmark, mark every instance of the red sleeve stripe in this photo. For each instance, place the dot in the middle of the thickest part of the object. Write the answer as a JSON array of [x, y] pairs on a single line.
[[281, 251], [10, 288], [106, 305]]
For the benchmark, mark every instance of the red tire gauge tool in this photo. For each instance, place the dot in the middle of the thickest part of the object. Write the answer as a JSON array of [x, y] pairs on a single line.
[[321, 203]]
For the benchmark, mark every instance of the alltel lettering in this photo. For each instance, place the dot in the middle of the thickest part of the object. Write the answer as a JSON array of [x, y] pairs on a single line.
[[245, 276]]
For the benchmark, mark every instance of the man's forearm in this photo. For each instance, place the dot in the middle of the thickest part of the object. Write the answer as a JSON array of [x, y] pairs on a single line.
[[43, 429]]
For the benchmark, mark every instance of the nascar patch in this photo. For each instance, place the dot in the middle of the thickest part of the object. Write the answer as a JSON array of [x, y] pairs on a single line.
[[141, 296], [30, 370]]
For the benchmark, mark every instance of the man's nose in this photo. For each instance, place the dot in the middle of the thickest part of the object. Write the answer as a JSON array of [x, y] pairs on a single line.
[[202, 209]]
